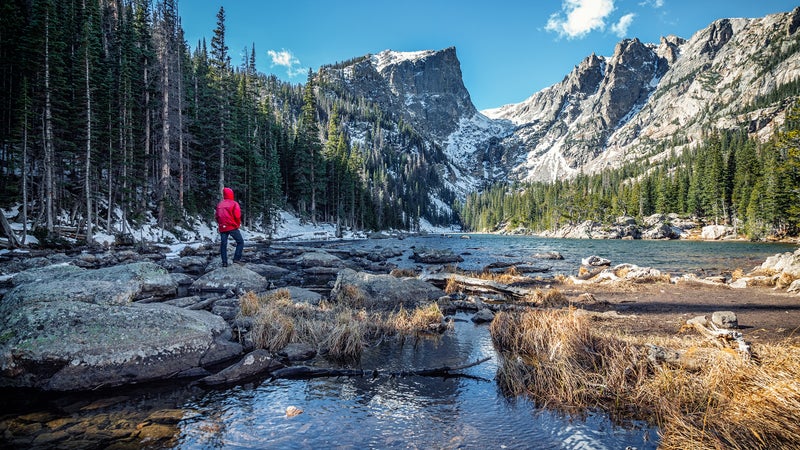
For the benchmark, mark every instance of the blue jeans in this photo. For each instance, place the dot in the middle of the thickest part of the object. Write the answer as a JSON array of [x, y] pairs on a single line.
[[223, 246]]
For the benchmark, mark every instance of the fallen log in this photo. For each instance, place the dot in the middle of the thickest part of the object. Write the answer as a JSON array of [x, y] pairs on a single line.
[[723, 338], [307, 372], [478, 285], [10, 236]]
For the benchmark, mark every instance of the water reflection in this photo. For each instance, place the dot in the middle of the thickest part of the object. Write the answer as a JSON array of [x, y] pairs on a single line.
[[397, 412]]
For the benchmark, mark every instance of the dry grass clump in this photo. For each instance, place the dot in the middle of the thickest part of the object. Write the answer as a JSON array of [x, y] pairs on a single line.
[[551, 298], [452, 286], [404, 273], [746, 404], [784, 280], [338, 330], [351, 296], [560, 361], [420, 319], [736, 274], [272, 328], [345, 341], [725, 401]]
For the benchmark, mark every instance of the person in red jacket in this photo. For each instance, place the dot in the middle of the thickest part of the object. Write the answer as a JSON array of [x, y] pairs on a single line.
[[229, 219]]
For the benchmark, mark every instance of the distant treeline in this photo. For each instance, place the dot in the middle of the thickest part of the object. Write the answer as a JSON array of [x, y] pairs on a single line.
[[728, 179], [108, 117]]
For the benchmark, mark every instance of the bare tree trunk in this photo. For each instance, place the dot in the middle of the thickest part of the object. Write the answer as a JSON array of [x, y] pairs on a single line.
[[88, 167], [25, 165], [165, 150], [146, 128], [180, 134], [221, 156], [48, 129]]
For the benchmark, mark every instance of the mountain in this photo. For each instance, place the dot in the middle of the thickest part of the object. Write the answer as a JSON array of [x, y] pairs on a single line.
[[644, 101], [647, 99]]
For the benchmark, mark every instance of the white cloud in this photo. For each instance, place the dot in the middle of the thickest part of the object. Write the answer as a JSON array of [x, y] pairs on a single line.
[[582, 17], [654, 3], [621, 28], [285, 58]]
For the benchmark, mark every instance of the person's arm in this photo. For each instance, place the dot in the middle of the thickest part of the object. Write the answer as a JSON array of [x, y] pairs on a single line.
[[237, 214]]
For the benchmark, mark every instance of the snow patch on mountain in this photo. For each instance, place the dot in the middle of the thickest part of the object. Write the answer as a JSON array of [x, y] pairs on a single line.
[[388, 58]]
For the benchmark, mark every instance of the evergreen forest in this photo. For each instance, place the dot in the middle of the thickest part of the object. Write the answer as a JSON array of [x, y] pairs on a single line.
[[730, 179], [110, 119]]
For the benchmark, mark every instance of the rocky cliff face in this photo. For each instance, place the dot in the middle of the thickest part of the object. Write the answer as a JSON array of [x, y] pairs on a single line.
[[647, 94], [605, 112]]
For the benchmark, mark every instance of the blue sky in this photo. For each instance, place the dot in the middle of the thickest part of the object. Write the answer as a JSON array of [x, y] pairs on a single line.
[[508, 49]]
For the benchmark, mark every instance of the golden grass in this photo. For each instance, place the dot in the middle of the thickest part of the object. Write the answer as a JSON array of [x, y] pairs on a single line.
[[728, 402], [337, 330], [551, 298], [351, 296], [420, 319], [404, 273]]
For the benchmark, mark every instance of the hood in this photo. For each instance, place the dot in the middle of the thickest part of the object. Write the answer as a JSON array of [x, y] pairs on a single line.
[[227, 193]]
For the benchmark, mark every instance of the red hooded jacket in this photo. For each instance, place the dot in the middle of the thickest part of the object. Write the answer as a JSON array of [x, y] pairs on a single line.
[[229, 214]]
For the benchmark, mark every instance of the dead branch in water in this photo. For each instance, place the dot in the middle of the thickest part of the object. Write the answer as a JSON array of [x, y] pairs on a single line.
[[306, 372]]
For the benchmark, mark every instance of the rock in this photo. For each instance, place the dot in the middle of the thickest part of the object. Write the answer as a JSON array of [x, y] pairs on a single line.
[[741, 283], [435, 256], [483, 316], [111, 285], [715, 232], [297, 351], [184, 302], [319, 258], [258, 362], [292, 411], [188, 264], [68, 345], [725, 319], [788, 263], [65, 328], [595, 261], [549, 255], [662, 231], [267, 271], [383, 291], [233, 277], [794, 287]]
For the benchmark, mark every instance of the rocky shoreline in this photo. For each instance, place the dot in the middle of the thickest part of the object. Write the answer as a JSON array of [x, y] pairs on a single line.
[[654, 227], [98, 318]]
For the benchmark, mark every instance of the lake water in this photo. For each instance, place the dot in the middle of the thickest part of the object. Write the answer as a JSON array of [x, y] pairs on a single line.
[[672, 256], [467, 412]]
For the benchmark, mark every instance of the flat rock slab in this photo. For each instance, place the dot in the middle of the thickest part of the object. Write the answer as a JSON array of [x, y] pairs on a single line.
[[234, 277], [64, 328]]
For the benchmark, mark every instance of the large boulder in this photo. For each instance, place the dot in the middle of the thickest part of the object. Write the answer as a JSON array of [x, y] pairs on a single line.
[[111, 285], [65, 328], [383, 291], [716, 232], [234, 277]]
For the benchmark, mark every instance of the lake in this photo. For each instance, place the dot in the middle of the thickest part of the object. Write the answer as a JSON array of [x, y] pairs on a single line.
[[465, 412]]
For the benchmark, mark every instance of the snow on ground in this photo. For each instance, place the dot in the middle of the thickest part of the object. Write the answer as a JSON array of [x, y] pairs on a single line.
[[200, 232]]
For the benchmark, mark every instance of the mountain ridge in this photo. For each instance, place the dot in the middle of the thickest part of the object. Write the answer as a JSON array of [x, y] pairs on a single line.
[[643, 101]]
